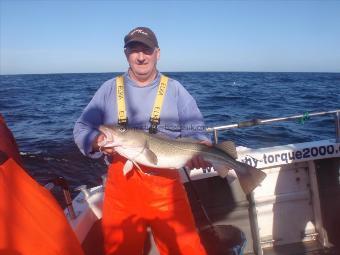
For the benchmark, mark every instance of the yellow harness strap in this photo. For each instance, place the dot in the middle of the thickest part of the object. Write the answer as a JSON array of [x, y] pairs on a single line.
[[122, 118], [157, 108]]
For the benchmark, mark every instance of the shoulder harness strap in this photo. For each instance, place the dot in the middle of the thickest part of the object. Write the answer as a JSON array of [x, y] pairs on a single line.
[[157, 108], [121, 109]]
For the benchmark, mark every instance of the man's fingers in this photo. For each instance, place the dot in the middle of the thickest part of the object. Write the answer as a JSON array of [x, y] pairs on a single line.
[[189, 164], [95, 144], [108, 151], [198, 162], [201, 162], [100, 137], [207, 163]]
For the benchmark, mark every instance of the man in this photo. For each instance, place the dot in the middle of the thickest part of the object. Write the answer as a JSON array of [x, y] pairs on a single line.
[[144, 98]]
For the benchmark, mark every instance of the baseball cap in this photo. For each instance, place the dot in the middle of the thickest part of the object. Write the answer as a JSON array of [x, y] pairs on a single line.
[[143, 35]]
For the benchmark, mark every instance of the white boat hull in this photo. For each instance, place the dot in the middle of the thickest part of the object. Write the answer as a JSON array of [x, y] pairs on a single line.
[[284, 210]]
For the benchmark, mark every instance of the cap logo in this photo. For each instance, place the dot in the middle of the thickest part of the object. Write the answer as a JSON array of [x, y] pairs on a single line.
[[140, 31]]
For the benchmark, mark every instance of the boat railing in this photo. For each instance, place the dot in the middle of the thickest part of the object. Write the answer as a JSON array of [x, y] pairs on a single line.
[[256, 122]]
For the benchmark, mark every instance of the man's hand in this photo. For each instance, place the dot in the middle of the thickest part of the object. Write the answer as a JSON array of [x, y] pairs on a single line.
[[96, 147], [198, 161]]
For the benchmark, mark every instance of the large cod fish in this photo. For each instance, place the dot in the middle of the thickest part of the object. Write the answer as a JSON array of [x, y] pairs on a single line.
[[140, 147]]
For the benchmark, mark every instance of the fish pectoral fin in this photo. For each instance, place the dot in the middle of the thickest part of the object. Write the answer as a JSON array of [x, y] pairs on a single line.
[[127, 167], [228, 147], [138, 167], [150, 156]]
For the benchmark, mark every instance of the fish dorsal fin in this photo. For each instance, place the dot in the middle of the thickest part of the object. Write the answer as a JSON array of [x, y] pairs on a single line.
[[228, 147], [187, 140]]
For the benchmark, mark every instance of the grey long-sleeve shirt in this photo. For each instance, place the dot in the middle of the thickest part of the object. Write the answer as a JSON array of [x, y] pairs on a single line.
[[180, 116]]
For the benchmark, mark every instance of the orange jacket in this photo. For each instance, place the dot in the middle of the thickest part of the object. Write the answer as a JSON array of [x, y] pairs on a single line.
[[31, 220], [7, 142]]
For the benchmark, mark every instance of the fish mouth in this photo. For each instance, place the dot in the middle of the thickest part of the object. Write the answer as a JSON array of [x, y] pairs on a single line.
[[109, 135]]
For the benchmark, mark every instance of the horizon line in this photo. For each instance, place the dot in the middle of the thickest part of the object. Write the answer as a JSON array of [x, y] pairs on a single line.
[[106, 72]]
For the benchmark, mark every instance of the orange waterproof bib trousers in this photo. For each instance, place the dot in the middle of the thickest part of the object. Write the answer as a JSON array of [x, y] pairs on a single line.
[[155, 198]]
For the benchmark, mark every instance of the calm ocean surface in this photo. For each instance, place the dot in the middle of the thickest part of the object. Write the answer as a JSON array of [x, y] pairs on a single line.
[[41, 111]]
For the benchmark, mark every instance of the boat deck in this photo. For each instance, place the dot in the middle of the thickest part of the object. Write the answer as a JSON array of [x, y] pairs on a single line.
[[93, 243], [306, 248]]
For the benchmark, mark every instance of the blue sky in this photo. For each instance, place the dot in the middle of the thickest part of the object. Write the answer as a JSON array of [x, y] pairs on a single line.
[[46, 36]]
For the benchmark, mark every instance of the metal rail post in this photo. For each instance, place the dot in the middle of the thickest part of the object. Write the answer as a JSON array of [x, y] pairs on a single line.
[[337, 127], [215, 136]]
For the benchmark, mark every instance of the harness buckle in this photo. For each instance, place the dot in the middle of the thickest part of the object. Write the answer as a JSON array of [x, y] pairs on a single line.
[[154, 123], [123, 122]]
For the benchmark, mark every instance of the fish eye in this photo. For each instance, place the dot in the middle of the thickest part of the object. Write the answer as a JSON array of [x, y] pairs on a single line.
[[122, 129]]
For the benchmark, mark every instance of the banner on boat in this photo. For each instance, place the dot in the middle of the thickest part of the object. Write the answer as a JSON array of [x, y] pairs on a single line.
[[291, 153], [279, 155]]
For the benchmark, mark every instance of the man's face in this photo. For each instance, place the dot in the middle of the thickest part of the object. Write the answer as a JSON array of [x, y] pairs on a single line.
[[141, 58]]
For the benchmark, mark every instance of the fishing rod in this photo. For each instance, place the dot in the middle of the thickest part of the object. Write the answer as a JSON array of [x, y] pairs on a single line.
[[256, 122]]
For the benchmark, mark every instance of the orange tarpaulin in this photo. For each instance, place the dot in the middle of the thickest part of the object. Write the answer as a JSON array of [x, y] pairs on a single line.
[[31, 220]]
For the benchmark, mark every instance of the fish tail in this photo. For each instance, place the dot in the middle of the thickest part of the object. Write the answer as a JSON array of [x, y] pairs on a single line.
[[251, 179]]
